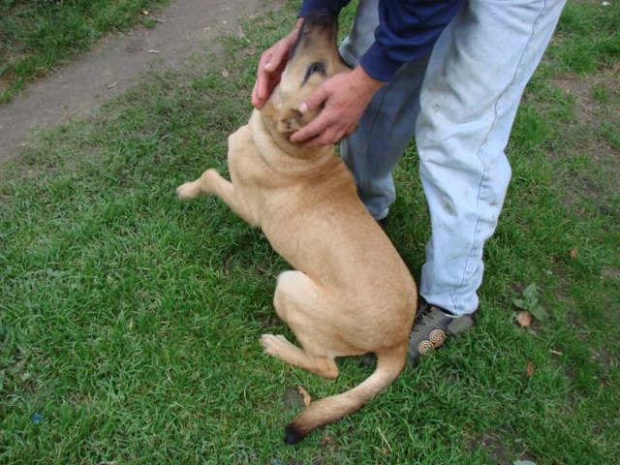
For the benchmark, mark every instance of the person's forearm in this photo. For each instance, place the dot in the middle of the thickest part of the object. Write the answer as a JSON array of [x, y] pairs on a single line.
[[364, 82], [407, 32]]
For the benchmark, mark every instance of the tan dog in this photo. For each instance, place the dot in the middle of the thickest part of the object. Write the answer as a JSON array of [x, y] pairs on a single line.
[[351, 294]]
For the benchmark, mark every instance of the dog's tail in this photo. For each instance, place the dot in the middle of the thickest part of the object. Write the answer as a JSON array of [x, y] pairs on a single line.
[[389, 365]]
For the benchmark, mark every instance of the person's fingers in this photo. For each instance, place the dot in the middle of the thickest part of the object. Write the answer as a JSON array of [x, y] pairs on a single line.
[[278, 55], [318, 125], [269, 63], [273, 63], [328, 137], [312, 129], [315, 99], [262, 80], [314, 142], [280, 51], [255, 100], [350, 130]]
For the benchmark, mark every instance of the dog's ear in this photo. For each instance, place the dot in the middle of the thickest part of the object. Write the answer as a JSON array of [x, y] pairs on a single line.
[[290, 120]]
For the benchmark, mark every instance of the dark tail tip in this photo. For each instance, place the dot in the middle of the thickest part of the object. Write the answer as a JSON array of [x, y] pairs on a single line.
[[292, 435]]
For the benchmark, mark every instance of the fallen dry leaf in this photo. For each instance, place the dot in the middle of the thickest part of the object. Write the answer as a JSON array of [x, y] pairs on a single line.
[[573, 253], [524, 319], [529, 369], [225, 73], [305, 395]]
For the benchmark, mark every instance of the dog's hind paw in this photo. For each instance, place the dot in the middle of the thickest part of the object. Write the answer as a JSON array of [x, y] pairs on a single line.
[[275, 345]]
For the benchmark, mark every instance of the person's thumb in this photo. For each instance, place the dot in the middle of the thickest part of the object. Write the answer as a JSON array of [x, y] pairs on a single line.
[[314, 100]]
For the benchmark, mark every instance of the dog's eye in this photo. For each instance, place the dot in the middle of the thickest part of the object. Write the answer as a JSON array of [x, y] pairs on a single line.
[[316, 67]]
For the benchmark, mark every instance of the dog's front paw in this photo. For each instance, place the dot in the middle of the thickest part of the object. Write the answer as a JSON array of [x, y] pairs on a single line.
[[189, 190], [204, 185]]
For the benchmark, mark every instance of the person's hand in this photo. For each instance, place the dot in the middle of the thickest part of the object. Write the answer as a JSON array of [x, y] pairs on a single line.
[[271, 65], [346, 96]]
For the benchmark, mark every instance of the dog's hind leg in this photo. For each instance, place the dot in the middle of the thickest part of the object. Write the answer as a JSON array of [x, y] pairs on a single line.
[[279, 346], [295, 299], [210, 182]]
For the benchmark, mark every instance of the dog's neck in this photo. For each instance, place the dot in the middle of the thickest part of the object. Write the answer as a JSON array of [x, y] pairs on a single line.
[[276, 148]]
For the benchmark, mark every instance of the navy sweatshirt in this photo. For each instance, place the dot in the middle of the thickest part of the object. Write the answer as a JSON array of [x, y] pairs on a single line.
[[407, 31]]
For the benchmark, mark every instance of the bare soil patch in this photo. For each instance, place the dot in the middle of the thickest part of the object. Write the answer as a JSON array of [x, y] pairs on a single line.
[[185, 27], [593, 133]]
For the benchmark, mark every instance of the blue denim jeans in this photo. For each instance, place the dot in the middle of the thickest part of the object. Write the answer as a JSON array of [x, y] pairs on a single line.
[[460, 105]]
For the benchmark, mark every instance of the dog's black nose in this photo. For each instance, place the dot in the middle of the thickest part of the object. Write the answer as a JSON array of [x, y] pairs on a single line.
[[321, 19]]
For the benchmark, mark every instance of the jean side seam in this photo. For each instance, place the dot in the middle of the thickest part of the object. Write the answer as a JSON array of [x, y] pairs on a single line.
[[483, 178]]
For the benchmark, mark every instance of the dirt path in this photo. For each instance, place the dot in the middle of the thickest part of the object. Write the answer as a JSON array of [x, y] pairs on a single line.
[[116, 63]]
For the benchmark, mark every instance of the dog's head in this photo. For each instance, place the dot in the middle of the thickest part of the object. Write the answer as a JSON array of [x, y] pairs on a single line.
[[312, 60]]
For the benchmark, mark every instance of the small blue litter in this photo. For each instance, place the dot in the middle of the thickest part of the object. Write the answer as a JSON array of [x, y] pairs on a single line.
[[36, 418]]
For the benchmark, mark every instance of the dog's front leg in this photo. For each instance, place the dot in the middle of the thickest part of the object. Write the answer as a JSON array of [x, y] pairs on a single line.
[[210, 182]]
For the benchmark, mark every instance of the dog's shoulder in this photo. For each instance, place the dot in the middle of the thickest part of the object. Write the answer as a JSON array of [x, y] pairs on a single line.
[[241, 139]]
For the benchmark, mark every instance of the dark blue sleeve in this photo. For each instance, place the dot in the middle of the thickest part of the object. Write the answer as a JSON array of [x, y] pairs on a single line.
[[407, 32], [314, 5]]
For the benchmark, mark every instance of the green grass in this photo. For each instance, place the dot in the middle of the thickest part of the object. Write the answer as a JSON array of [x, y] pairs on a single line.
[[129, 321], [39, 35], [590, 33]]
